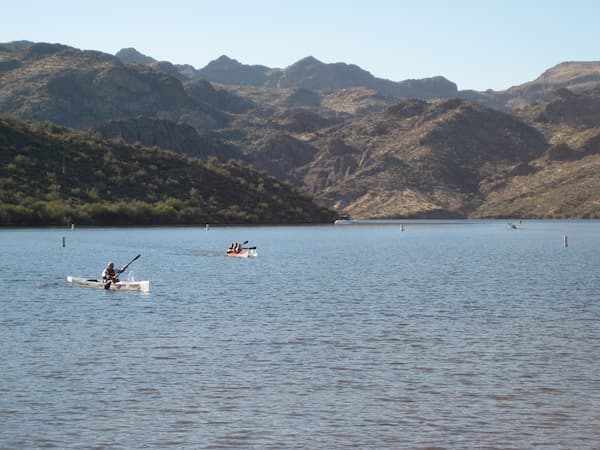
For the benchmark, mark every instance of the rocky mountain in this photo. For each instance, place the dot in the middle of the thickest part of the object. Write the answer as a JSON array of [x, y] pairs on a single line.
[[440, 158], [78, 88], [308, 73], [415, 159], [564, 182], [311, 74], [132, 56], [352, 141], [548, 169], [563, 106], [574, 76], [225, 70], [180, 71]]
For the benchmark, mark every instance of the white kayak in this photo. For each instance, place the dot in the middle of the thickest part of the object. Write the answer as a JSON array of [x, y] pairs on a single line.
[[143, 286]]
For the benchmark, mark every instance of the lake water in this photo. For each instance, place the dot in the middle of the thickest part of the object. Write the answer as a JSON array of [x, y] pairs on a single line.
[[457, 334]]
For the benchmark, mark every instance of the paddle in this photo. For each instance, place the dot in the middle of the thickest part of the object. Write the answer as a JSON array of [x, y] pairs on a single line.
[[127, 265], [123, 269]]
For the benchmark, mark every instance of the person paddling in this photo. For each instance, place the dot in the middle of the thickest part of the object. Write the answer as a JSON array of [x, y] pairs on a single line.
[[235, 247], [109, 274]]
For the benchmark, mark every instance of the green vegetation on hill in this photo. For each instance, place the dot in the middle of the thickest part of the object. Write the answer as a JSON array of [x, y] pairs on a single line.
[[51, 175]]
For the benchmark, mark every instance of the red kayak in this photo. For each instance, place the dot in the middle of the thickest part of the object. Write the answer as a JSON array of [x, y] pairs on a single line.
[[243, 253]]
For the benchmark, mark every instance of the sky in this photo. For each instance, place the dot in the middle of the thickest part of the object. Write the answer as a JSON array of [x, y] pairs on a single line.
[[477, 44]]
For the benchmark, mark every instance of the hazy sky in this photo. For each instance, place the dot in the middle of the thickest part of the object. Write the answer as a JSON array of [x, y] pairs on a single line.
[[478, 44]]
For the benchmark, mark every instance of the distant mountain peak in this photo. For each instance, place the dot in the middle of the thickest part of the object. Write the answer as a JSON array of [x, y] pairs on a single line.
[[309, 60], [131, 55], [226, 59], [230, 71]]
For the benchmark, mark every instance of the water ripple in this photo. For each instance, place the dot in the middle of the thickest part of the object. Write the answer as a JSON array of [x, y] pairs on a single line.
[[472, 338]]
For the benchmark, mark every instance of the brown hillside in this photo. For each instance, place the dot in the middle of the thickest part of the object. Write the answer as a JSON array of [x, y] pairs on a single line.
[[418, 158], [354, 148], [78, 88], [561, 190], [566, 107]]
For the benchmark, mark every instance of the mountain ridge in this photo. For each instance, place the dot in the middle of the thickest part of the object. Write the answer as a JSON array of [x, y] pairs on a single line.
[[356, 148], [310, 73], [80, 88], [562, 75]]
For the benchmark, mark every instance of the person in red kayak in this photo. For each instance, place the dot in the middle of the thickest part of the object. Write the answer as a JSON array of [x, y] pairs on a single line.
[[235, 247], [110, 274]]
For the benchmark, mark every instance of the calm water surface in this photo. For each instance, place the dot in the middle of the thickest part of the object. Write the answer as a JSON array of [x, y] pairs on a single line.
[[449, 334]]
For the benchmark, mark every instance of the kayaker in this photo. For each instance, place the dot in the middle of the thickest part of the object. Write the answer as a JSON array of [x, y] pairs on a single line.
[[110, 274], [237, 248]]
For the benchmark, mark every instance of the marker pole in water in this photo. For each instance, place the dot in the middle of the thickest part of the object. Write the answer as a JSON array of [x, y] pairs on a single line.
[[63, 241], [565, 241]]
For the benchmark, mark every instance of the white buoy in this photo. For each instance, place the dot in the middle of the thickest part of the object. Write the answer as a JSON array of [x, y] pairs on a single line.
[[207, 227], [72, 227], [401, 227], [565, 241]]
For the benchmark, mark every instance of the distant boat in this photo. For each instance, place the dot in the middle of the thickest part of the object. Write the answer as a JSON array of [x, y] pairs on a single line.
[[236, 250], [249, 252], [344, 220]]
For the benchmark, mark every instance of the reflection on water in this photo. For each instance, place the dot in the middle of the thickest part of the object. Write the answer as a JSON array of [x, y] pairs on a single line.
[[453, 335]]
